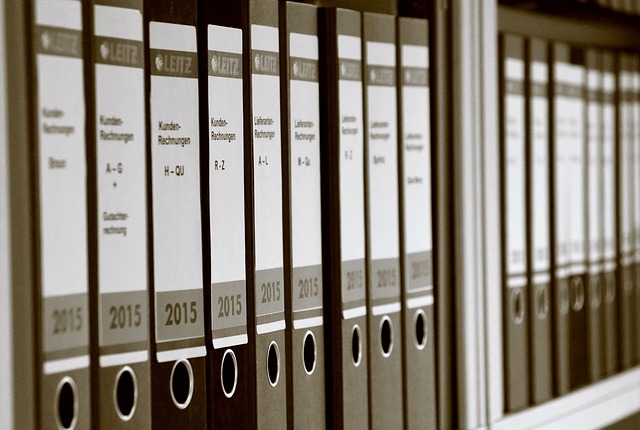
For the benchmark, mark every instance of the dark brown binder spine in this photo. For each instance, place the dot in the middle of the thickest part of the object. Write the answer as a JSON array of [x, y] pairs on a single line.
[[300, 107], [344, 298], [538, 233], [230, 365], [179, 383], [611, 272]]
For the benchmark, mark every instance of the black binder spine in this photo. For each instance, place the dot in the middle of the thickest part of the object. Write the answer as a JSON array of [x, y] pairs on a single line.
[[178, 372], [225, 185], [539, 238], [626, 197], [416, 224], [300, 105], [611, 274], [515, 288], [343, 239], [594, 196]]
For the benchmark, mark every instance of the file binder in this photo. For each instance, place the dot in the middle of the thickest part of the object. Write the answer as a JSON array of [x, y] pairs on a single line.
[[178, 379], [268, 293], [626, 197], [230, 389], [118, 228], [610, 301], [416, 225], [538, 214], [636, 198], [57, 35], [515, 288], [382, 220], [576, 150], [595, 180], [342, 161], [568, 221], [302, 209]]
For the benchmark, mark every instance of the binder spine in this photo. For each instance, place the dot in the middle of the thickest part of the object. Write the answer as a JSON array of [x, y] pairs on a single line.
[[625, 211], [416, 245], [178, 365], [595, 181], [302, 214], [539, 238], [343, 209], [64, 397], [579, 373], [382, 220], [223, 78], [564, 87], [636, 199], [515, 289], [268, 294], [609, 151], [122, 375]]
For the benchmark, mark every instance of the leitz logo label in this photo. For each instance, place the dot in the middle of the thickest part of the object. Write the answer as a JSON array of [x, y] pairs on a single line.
[[174, 63], [58, 41], [350, 70], [265, 62], [304, 69], [382, 75], [119, 52], [225, 64]]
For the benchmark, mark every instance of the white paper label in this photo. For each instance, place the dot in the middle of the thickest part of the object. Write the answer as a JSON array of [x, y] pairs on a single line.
[[304, 162], [626, 162], [636, 156], [515, 168], [382, 132], [416, 159], [226, 187], [351, 170], [175, 165], [577, 161], [541, 258], [121, 167], [608, 168], [594, 166], [569, 124], [62, 175], [267, 170]]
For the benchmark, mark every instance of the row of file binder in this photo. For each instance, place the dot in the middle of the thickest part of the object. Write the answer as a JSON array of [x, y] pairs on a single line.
[[233, 217], [570, 169]]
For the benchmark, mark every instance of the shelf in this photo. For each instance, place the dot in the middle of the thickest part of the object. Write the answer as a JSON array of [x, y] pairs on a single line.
[[592, 407]]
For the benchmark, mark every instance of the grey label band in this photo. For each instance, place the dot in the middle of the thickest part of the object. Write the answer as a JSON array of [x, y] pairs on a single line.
[[58, 41], [514, 87], [228, 305], [65, 322], [415, 76], [179, 315], [225, 64], [350, 70], [118, 52], [265, 62], [306, 289], [303, 69], [353, 281], [539, 90], [418, 270], [384, 276], [565, 90], [123, 318], [173, 63], [128, 4], [269, 294], [381, 76]]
